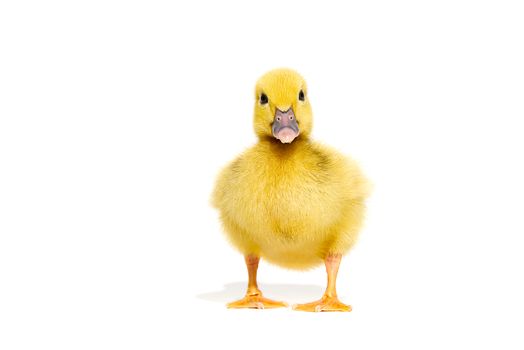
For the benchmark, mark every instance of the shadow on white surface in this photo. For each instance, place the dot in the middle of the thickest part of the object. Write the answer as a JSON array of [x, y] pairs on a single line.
[[285, 292]]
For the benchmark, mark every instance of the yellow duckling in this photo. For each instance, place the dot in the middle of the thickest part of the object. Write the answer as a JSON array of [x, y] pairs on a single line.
[[287, 199]]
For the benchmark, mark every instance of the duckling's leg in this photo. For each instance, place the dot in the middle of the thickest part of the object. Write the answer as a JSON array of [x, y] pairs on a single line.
[[254, 298], [329, 301]]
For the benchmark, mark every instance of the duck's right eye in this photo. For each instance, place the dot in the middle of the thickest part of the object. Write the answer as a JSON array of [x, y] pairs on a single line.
[[263, 99]]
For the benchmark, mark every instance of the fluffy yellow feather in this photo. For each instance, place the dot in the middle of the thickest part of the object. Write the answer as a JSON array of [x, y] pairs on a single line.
[[293, 203]]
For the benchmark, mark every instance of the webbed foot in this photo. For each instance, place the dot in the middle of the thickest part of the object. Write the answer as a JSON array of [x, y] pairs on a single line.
[[256, 301], [327, 303]]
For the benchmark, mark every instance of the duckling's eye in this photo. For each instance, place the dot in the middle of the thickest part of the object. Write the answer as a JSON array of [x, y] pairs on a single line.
[[301, 96], [263, 99]]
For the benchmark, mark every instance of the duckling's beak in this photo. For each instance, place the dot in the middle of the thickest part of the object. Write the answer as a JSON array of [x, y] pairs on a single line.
[[285, 126]]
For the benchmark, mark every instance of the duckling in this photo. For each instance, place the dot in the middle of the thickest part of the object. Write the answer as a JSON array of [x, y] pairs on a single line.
[[288, 199]]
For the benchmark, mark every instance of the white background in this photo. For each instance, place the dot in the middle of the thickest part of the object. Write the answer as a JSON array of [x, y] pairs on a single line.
[[115, 118]]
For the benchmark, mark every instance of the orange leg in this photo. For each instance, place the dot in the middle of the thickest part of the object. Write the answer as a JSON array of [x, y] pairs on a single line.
[[254, 298], [329, 302]]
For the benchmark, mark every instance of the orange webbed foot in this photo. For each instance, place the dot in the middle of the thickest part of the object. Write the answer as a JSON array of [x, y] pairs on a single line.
[[256, 301], [327, 303]]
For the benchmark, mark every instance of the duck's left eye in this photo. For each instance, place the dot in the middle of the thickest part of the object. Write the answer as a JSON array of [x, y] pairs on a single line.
[[301, 96]]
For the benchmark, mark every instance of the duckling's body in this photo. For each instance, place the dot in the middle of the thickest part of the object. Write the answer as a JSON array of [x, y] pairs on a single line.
[[292, 204], [289, 199]]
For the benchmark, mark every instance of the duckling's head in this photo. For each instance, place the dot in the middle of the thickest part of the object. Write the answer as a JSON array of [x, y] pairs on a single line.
[[282, 109]]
